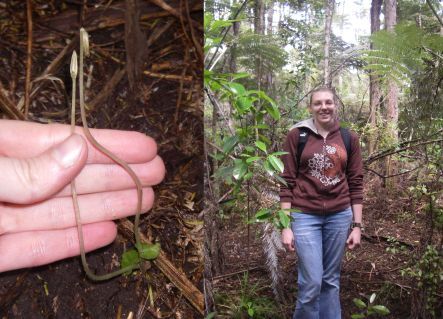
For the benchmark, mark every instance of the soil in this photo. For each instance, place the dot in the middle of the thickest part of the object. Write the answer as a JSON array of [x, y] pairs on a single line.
[[392, 238], [165, 103]]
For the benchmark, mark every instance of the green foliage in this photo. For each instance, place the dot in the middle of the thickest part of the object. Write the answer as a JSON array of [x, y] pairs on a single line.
[[133, 257], [368, 309], [246, 302], [394, 246], [428, 272], [266, 48], [398, 55]]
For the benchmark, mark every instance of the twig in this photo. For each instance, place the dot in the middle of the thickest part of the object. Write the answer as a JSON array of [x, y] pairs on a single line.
[[434, 12], [9, 108], [172, 77], [235, 273], [28, 57], [389, 176], [226, 32], [51, 69], [173, 12], [197, 45], [396, 150], [107, 89]]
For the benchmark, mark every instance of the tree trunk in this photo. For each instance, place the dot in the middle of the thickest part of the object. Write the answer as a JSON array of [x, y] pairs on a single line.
[[392, 94], [259, 19], [327, 81], [270, 13], [233, 55], [374, 83]]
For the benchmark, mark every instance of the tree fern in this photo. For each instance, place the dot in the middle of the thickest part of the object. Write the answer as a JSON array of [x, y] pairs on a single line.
[[400, 54], [267, 48]]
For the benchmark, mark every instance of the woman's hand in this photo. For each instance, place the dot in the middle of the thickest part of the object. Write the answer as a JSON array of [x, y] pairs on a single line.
[[354, 238], [37, 164], [287, 238]]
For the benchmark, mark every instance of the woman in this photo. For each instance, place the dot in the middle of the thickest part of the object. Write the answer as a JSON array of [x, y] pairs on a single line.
[[324, 193]]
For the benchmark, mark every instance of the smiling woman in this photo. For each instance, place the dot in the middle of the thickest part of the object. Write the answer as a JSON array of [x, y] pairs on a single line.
[[324, 193]]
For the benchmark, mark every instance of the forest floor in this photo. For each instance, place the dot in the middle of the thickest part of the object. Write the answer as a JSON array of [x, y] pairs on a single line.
[[393, 223], [166, 105]]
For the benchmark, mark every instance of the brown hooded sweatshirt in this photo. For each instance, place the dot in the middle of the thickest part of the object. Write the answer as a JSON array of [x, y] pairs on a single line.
[[326, 182]]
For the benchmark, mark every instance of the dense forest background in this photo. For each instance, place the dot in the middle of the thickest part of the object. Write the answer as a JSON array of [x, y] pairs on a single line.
[[262, 58]]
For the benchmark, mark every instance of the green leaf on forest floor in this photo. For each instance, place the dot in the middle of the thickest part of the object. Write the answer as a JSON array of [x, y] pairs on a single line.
[[381, 310], [359, 303], [130, 258], [149, 251]]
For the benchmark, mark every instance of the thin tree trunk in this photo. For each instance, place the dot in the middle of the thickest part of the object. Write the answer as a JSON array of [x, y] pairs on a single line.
[[329, 12], [259, 19], [392, 96], [374, 83], [392, 93], [270, 18]]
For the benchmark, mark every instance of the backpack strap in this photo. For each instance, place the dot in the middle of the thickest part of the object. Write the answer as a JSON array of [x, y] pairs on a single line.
[[303, 134], [346, 137]]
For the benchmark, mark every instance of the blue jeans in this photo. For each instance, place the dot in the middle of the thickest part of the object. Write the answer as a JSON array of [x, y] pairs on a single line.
[[319, 242]]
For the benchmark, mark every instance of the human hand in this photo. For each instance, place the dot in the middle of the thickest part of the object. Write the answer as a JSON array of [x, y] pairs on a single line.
[[37, 164], [354, 238], [287, 239]]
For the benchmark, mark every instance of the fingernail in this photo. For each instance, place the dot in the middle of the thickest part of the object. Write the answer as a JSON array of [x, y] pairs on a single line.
[[68, 152]]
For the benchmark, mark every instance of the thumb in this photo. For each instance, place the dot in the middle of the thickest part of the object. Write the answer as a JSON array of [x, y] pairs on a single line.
[[28, 180]]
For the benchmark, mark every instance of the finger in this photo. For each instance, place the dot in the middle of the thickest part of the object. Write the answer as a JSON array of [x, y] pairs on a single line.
[[29, 180], [58, 213], [25, 139], [28, 249], [107, 177]]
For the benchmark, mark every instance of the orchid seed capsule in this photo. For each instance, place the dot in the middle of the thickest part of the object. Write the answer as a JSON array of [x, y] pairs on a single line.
[[84, 39], [74, 65]]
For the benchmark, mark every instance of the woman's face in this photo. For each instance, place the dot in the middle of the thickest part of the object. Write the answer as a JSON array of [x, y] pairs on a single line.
[[323, 108]]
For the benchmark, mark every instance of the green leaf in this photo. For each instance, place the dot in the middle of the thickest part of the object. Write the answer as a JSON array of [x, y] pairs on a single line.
[[262, 214], [252, 159], [279, 153], [268, 168], [359, 303], [273, 111], [284, 219], [276, 163], [372, 298], [358, 316], [240, 169], [243, 103], [236, 88], [261, 145], [149, 251], [381, 310], [229, 143], [130, 258], [251, 312]]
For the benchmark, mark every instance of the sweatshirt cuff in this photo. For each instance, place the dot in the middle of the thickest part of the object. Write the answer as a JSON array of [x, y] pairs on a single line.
[[356, 201]]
